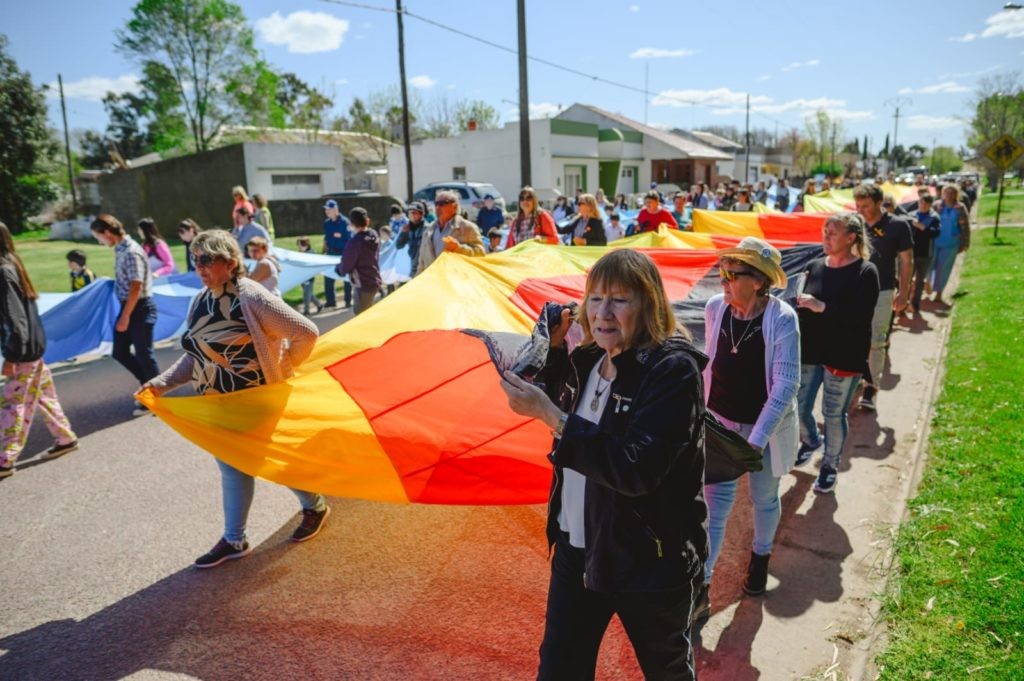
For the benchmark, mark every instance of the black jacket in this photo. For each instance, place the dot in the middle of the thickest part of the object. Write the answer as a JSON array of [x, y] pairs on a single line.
[[22, 338], [646, 520], [594, 233]]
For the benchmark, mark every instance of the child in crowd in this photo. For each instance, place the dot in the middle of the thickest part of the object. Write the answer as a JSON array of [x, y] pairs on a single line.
[[187, 231], [494, 240], [302, 243], [81, 276], [614, 229]]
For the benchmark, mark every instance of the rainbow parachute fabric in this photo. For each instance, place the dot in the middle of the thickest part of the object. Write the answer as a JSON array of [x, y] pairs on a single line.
[[400, 405]]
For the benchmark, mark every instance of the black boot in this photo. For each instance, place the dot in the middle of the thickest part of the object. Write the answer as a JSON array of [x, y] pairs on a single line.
[[757, 574], [702, 604]]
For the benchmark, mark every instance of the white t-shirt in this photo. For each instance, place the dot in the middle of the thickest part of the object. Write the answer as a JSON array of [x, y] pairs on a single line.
[[570, 516]]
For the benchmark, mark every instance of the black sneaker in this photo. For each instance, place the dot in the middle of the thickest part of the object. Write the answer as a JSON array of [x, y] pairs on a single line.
[[867, 399], [224, 550], [803, 455], [826, 482], [312, 523], [6, 471], [59, 450]]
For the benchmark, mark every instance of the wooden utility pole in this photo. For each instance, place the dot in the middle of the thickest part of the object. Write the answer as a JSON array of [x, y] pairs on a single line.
[[405, 103], [524, 101], [746, 169], [67, 146]]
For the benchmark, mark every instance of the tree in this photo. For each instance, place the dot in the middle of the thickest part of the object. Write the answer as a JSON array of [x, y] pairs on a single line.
[[945, 160], [204, 45], [998, 110], [28, 150], [824, 131], [304, 106], [443, 117]]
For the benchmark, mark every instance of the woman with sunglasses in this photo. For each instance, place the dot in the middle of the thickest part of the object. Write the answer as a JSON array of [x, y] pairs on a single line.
[[835, 307], [531, 221], [586, 226], [239, 336], [752, 340]]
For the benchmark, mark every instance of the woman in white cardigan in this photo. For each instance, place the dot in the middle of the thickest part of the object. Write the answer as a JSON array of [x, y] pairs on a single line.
[[750, 382]]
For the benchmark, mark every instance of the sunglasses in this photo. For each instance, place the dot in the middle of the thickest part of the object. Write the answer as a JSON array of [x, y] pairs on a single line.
[[443, 203], [730, 275], [205, 260]]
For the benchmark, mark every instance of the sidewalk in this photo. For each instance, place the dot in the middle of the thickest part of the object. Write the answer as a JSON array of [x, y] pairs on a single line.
[[832, 551]]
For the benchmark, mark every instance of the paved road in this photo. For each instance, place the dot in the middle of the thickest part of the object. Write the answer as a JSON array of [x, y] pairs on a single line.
[[96, 551]]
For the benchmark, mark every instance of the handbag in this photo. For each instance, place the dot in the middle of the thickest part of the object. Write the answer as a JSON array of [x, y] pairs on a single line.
[[727, 454]]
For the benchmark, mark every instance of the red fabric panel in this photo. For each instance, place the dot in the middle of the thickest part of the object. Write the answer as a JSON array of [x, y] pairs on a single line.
[[797, 227], [422, 393]]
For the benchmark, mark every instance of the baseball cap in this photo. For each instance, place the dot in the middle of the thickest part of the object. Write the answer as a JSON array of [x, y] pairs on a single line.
[[489, 196], [417, 206], [331, 203]]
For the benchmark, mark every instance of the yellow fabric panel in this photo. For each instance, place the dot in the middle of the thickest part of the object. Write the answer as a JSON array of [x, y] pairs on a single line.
[[726, 222]]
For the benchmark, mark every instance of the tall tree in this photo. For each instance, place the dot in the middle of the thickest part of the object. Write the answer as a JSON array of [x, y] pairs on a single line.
[[998, 111], [945, 160], [204, 45], [28, 149]]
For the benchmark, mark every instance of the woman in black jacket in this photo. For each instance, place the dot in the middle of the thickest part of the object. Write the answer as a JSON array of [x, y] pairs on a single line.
[[29, 383], [626, 516], [586, 229]]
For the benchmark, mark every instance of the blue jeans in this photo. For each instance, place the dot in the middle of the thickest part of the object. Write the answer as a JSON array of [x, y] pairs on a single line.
[[330, 299], [945, 257], [764, 499], [307, 295], [238, 488], [139, 335], [834, 404]]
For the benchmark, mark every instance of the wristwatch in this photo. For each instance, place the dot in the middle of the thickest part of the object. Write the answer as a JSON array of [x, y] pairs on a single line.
[[560, 427]]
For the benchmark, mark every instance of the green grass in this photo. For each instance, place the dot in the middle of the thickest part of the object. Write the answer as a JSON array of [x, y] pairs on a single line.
[[955, 606], [1012, 212], [44, 259]]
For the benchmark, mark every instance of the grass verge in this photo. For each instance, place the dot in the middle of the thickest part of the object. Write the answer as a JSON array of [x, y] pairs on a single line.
[[955, 607], [1012, 212]]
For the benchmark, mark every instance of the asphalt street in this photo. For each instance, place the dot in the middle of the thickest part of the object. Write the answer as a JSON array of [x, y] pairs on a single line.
[[96, 551]]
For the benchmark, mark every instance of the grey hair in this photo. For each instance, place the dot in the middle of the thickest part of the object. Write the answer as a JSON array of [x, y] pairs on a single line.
[[853, 223], [447, 195], [220, 244]]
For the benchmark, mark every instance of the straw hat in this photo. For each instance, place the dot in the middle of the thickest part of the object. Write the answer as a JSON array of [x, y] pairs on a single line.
[[760, 255]]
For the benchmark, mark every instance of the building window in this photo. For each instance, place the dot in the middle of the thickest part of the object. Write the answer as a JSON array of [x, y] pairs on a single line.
[[459, 173], [295, 179]]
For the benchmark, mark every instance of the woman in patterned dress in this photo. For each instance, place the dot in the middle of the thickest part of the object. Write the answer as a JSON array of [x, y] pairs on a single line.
[[240, 336]]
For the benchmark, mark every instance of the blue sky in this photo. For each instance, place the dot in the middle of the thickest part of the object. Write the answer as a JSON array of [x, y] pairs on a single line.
[[849, 58]]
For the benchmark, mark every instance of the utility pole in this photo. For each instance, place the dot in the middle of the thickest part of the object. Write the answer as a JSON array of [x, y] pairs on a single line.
[[405, 102], [832, 158], [647, 88], [897, 102], [746, 168], [67, 146], [524, 101]]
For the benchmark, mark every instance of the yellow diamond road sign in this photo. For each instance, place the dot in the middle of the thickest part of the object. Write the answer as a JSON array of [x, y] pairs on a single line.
[[1004, 151]]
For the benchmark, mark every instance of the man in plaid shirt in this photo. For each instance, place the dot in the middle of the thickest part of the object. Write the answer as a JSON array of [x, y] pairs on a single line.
[[133, 286]]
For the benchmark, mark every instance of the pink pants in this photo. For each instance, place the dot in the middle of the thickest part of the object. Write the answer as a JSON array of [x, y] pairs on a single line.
[[31, 387]]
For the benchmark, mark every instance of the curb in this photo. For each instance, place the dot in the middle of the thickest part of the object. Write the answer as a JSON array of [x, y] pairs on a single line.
[[872, 644]]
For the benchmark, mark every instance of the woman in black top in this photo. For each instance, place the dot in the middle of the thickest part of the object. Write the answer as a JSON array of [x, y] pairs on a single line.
[[29, 383], [586, 229], [835, 308], [627, 515]]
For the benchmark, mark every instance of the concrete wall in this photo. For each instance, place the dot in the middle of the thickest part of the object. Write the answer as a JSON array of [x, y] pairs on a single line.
[[196, 186], [263, 161], [306, 216]]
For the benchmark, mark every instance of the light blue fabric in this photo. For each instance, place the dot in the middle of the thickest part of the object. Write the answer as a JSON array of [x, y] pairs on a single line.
[[945, 258], [949, 228]]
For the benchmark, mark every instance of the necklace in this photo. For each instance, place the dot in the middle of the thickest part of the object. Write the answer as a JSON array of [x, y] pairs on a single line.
[[598, 391], [744, 336]]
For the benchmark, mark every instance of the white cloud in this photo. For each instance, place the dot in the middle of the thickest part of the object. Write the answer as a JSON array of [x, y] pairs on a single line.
[[1007, 23], [95, 88], [658, 53], [717, 97], [451, 86], [634, 8], [538, 110], [801, 64], [303, 32], [765, 77], [422, 82], [924, 122], [965, 38], [341, 81], [969, 74], [768, 107], [944, 88]]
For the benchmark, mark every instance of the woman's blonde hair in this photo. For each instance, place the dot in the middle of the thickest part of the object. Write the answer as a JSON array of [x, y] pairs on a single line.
[[239, 190], [590, 201], [635, 272], [853, 223], [258, 242], [220, 244]]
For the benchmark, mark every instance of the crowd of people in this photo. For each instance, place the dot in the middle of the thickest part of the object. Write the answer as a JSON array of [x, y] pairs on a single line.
[[635, 530]]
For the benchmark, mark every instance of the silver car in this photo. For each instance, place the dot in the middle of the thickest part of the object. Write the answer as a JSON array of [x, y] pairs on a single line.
[[471, 195]]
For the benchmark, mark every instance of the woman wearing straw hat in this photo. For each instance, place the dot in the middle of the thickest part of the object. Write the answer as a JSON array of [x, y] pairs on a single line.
[[750, 382]]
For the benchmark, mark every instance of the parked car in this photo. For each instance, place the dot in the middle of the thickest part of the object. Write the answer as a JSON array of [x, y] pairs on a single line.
[[471, 195], [349, 193]]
